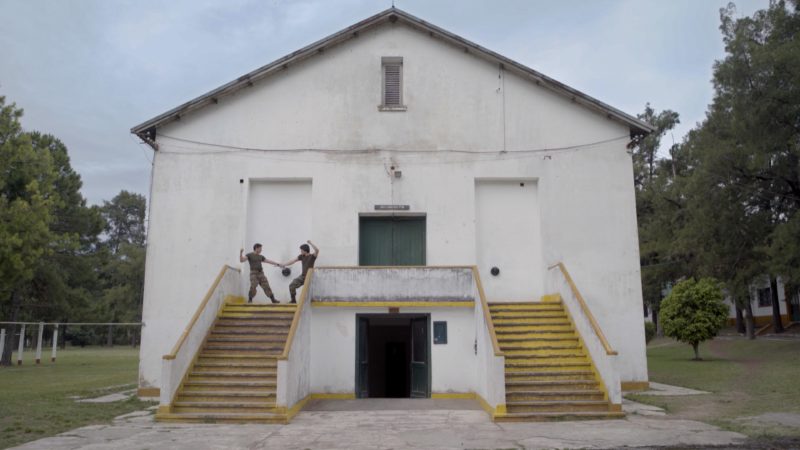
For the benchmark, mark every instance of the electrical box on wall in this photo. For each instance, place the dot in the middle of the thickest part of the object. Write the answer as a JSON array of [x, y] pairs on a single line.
[[440, 332]]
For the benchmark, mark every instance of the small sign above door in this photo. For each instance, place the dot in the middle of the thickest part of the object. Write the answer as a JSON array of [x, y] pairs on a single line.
[[392, 207]]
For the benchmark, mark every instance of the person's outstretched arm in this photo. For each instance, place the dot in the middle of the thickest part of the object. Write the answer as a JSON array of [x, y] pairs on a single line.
[[316, 249], [242, 258]]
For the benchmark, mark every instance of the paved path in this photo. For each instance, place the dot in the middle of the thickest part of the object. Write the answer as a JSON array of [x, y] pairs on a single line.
[[340, 427]]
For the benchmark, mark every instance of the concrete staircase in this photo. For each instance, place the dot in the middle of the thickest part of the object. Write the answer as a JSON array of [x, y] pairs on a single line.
[[549, 374], [234, 377]]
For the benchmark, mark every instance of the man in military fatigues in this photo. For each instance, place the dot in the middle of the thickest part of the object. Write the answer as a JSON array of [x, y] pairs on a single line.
[[257, 276], [308, 259]]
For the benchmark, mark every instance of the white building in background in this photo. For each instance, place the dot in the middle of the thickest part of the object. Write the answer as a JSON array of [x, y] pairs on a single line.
[[390, 143]]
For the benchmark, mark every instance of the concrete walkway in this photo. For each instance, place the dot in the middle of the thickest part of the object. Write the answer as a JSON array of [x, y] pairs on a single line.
[[335, 425]]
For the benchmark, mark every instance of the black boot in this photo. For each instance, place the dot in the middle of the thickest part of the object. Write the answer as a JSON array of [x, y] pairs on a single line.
[[294, 300], [272, 297], [249, 299]]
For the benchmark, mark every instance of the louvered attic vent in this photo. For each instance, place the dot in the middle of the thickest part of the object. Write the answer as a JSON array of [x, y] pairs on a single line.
[[392, 84]]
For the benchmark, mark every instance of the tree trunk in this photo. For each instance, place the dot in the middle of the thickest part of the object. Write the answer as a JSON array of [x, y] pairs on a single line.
[[777, 326], [749, 324], [16, 303], [740, 326], [696, 347]]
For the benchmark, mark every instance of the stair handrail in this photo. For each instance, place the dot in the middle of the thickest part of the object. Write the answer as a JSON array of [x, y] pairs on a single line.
[[199, 311], [585, 308], [301, 302], [486, 313]]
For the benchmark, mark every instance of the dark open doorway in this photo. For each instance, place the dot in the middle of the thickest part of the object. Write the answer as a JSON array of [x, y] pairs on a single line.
[[393, 356]]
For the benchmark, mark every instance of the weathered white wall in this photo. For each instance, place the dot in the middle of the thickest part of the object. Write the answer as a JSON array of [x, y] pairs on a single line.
[[400, 284], [508, 237], [278, 217], [333, 349], [455, 102]]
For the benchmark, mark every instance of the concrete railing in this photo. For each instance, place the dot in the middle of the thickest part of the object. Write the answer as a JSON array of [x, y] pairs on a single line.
[[176, 363], [600, 351], [294, 365], [491, 379], [393, 284]]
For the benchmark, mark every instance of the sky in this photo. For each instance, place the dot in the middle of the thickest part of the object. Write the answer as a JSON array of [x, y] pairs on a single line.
[[87, 71]]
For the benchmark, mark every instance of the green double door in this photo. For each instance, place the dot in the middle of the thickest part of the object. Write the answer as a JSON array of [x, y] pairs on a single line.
[[392, 241]]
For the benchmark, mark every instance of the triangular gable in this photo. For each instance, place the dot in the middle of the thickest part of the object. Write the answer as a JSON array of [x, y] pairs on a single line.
[[146, 130]]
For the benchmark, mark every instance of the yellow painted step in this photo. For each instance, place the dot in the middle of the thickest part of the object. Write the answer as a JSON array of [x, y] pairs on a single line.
[[218, 386], [563, 320], [558, 416], [222, 418], [222, 407], [230, 396], [525, 361], [546, 365], [232, 376], [262, 307], [539, 345], [548, 396], [255, 315], [542, 375], [557, 406], [536, 306], [559, 385], [544, 353]]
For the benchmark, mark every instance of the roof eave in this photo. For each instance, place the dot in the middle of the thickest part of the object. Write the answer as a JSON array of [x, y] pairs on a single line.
[[637, 127]]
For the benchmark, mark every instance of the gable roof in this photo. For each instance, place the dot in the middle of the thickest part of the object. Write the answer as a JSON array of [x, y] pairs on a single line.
[[146, 130]]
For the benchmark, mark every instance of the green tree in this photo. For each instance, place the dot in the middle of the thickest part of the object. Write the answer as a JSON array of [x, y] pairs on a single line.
[[26, 191], [125, 215], [65, 284], [750, 148], [657, 209], [694, 312], [123, 269]]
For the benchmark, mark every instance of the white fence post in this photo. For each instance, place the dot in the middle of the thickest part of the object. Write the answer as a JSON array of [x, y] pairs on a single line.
[[2, 341], [21, 345], [39, 343], [55, 344]]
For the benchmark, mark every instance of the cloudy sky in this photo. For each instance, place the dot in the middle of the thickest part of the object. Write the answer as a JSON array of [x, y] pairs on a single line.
[[87, 71]]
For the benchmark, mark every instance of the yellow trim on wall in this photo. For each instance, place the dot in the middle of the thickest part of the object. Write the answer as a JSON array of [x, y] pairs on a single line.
[[148, 392], [494, 413], [629, 386], [452, 395], [334, 396], [393, 304]]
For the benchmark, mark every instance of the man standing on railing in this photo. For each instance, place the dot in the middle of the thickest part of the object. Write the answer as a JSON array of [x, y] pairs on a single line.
[[308, 260], [257, 276]]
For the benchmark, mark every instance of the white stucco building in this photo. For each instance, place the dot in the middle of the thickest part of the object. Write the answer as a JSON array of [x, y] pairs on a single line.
[[392, 143]]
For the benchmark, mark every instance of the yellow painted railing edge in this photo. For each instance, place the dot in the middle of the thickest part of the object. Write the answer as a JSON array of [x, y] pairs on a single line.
[[585, 309], [486, 314], [197, 313], [301, 303]]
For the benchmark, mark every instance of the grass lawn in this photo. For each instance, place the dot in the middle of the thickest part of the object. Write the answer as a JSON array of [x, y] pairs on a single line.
[[35, 400], [745, 378]]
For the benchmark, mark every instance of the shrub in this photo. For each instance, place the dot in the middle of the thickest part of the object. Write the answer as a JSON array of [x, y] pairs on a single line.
[[694, 312], [649, 332]]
